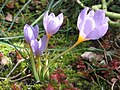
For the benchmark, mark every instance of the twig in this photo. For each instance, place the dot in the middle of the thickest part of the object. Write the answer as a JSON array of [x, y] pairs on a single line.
[[93, 81], [112, 88], [2, 78], [113, 15], [18, 74], [114, 24], [104, 79], [100, 6], [96, 7], [17, 15], [80, 3], [104, 51], [14, 67], [22, 78], [109, 14], [104, 5]]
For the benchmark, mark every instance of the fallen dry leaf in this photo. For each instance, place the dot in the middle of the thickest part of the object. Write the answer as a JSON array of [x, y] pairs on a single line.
[[4, 60], [9, 17], [15, 86], [114, 80], [91, 56], [10, 4]]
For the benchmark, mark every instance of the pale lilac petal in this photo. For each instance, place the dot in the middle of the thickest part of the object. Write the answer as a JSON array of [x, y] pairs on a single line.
[[34, 44], [52, 25], [36, 31], [98, 32], [93, 25], [99, 17], [83, 13], [45, 16], [60, 17], [81, 17], [90, 14], [105, 20], [88, 27], [42, 44], [28, 33], [103, 29], [45, 21], [52, 15]]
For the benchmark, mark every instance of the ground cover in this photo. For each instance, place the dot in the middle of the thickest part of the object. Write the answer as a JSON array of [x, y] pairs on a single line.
[[92, 65]]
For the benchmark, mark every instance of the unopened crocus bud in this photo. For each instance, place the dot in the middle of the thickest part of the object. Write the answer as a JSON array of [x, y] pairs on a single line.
[[52, 23], [92, 25], [30, 32]]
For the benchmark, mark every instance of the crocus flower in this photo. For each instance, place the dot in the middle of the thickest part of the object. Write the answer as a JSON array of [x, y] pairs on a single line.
[[92, 25], [31, 35], [30, 32], [39, 47], [52, 23]]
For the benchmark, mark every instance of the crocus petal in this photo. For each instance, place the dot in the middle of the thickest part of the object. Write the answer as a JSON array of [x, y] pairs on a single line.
[[45, 16], [93, 25], [35, 46], [90, 14], [52, 23], [81, 18], [99, 17], [36, 31], [28, 33], [52, 15], [98, 32], [42, 44], [45, 20], [60, 17], [88, 27]]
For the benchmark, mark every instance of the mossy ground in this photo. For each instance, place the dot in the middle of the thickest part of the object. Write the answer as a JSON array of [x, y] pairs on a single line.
[[14, 48]]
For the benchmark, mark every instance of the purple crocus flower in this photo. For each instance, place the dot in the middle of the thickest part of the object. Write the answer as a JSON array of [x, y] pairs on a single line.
[[92, 25], [31, 35], [30, 32], [39, 47], [52, 23]]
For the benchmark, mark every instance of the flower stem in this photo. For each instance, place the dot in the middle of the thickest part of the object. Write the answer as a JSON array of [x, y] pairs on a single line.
[[65, 51], [80, 39], [46, 58], [33, 65], [39, 65]]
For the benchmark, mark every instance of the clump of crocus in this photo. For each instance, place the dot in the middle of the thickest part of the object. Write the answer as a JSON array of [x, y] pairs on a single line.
[[31, 35], [52, 23], [92, 25]]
